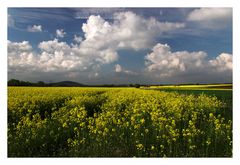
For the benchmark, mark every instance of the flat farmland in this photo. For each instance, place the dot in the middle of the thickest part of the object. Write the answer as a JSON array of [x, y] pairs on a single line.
[[117, 122]]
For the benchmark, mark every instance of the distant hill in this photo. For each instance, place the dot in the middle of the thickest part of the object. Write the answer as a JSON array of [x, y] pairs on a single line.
[[66, 84]]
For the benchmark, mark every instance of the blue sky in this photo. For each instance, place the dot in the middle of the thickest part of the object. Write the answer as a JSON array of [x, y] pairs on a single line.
[[120, 45]]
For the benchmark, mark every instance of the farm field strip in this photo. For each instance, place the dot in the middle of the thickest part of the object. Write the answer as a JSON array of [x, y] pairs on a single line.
[[225, 87]]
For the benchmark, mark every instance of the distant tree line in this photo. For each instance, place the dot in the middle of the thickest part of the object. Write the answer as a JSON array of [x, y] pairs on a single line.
[[15, 82]]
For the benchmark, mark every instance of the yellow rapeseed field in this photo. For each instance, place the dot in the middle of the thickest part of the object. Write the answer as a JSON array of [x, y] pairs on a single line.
[[115, 122]]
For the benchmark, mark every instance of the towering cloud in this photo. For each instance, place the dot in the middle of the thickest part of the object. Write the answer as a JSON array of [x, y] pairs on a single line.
[[128, 31], [102, 41]]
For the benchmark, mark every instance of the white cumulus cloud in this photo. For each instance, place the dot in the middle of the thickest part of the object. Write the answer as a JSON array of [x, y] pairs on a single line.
[[127, 31], [60, 33], [120, 69], [55, 56], [165, 63], [99, 47], [20, 55], [77, 39], [223, 62], [211, 17], [34, 28], [102, 41], [205, 14]]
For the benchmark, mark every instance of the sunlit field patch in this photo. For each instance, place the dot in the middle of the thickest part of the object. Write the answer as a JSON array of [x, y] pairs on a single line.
[[196, 87]]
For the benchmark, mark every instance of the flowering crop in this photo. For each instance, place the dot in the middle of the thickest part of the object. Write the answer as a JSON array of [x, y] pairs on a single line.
[[115, 122]]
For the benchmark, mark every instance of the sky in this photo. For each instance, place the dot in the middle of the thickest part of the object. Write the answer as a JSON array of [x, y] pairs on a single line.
[[120, 45]]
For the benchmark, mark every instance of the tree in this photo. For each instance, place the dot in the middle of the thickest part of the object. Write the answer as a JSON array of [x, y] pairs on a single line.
[[137, 85], [40, 83], [13, 82]]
